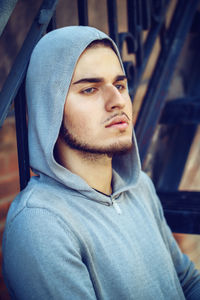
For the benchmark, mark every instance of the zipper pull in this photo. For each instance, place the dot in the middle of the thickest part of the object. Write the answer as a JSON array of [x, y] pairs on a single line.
[[116, 207]]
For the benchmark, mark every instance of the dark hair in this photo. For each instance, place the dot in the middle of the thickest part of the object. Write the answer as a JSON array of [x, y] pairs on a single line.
[[104, 42]]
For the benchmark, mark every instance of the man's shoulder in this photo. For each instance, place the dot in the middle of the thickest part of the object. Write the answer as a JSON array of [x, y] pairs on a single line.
[[38, 209], [39, 198]]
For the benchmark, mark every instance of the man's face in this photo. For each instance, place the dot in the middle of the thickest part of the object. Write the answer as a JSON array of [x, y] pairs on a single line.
[[98, 110]]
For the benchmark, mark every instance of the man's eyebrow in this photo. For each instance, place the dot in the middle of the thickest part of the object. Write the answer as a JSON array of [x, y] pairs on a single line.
[[99, 79], [92, 79], [120, 78]]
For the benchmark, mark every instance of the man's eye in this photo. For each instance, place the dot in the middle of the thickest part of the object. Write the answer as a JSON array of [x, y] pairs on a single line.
[[88, 91], [120, 87]]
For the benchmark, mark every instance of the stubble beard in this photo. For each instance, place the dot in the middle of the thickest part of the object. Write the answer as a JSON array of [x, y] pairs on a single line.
[[74, 143]]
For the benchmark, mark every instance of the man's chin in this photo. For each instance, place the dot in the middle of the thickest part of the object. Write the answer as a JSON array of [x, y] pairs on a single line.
[[119, 147], [110, 151]]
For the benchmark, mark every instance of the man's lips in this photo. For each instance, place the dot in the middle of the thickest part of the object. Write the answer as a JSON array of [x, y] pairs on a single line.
[[119, 121]]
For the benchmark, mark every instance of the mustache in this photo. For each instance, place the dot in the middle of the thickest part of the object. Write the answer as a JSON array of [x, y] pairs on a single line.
[[116, 115]]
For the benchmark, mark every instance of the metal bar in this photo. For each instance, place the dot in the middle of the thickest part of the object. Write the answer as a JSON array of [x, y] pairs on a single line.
[[6, 9], [22, 137], [183, 221], [52, 24], [159, 83], [112, 20], [181, 111], [158, 9], [18, 70], [139, 52], [174, 147], [146, 14], [83, 12], [135, 27], [182, 211], [143, 22], [132, 17], [180, 200], [148, 46]]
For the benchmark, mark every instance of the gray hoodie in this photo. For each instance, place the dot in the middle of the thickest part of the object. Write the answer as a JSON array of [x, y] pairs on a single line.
[[63, 239]]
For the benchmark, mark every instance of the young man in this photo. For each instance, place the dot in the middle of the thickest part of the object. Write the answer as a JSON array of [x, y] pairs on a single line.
[[89, 226]]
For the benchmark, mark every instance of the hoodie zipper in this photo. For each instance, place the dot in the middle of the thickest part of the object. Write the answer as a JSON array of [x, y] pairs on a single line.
[[116, 205], [113, 203]]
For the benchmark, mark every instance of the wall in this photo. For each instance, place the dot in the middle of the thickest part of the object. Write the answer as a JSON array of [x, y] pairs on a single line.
[[9, 180]]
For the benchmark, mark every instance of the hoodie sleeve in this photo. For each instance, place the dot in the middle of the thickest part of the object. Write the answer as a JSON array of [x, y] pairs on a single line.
[[189, 277], [46, 261]]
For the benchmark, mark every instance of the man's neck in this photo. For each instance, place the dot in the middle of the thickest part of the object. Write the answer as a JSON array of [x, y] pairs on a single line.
[[95, 169]]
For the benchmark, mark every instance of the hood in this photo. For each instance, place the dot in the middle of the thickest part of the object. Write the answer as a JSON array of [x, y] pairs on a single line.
[[48, 79]]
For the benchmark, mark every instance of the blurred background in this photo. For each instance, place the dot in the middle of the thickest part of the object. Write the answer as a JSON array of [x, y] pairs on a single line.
[[165, 136]]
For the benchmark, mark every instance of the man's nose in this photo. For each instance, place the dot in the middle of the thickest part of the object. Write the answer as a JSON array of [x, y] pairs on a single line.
[[113, 99]]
